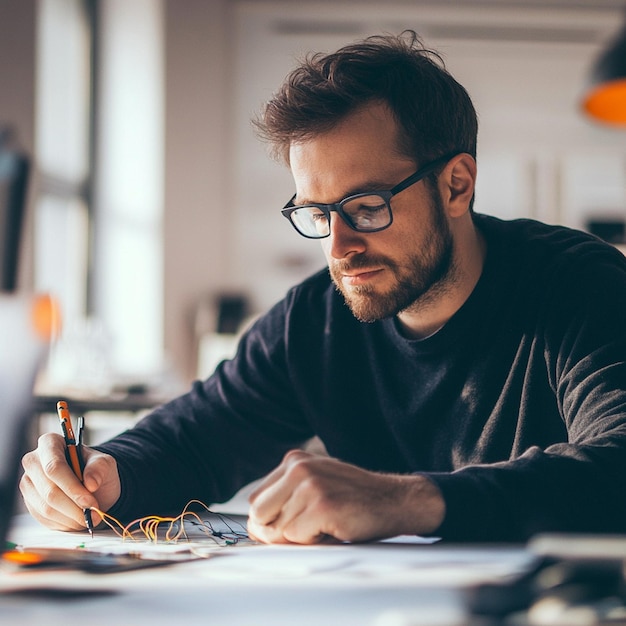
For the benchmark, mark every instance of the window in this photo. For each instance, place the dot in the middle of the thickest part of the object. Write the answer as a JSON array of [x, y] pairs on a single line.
[[99, 151], [63, 105]]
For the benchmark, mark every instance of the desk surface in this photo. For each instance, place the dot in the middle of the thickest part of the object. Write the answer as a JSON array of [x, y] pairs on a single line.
[[377, 584]]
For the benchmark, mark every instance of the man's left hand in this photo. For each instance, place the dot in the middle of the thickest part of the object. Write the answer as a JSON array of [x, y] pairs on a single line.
[[310, 498]]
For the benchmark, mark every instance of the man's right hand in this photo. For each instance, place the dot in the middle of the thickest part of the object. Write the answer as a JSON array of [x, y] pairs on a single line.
[[53, 494]]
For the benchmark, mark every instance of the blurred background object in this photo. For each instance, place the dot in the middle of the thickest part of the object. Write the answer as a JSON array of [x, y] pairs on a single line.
[[27, 324], [605, 100], [14, 167]]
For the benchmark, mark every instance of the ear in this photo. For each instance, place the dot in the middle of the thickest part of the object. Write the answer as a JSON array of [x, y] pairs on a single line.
[[457, 181]]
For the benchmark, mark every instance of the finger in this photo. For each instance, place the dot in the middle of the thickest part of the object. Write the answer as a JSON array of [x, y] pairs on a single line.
[[301, 520], [304, 528], [273, 477], [270, 498], [49, 503], [51, 490], [41, 510], [57, 471], [269, 503], [101, 478], [265, 533], [95, 470], [294, 508], [267, 482]]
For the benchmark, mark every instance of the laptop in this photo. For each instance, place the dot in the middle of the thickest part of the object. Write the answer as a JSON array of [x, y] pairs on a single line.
[[26, 325]]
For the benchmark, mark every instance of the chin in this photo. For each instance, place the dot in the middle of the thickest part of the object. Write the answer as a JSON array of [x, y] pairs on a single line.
[[370, 309]]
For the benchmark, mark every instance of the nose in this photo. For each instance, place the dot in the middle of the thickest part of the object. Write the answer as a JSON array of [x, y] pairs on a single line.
[[342, 241]]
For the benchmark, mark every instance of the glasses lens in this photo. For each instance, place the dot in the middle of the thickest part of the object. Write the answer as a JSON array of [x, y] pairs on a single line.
[[310, 221], [368, 212]]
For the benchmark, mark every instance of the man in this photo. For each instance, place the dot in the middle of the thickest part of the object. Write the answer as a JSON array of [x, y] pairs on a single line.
[[474, 387]]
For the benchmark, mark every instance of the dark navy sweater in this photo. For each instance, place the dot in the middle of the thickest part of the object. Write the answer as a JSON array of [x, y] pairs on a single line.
[[516, 408]]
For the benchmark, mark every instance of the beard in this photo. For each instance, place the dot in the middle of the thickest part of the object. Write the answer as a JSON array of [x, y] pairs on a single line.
[[418, 280]]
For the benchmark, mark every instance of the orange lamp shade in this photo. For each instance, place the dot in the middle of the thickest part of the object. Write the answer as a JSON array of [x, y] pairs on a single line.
[[605, 100]]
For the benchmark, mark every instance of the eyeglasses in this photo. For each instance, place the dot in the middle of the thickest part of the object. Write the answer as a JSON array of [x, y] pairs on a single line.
[[367, 212]]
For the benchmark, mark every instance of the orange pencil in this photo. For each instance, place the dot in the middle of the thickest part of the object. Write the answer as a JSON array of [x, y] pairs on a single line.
[[70, 440], [73, 451]]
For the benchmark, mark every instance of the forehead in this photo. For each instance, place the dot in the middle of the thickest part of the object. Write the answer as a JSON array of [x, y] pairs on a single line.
[[362, 150]]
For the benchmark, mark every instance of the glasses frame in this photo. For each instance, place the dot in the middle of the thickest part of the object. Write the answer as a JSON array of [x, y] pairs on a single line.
[[385, 194]]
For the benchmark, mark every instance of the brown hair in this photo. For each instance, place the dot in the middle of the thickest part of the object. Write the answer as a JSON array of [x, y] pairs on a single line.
[[435, 114]]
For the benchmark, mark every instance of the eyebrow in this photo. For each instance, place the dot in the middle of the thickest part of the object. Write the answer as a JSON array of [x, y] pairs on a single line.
[[364, 188]]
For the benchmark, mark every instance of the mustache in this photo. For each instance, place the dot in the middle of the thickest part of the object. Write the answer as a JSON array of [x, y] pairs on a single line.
[[361, 262]]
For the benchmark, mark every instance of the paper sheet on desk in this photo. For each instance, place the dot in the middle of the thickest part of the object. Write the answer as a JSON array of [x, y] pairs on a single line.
[[364, 564], [28, 532], [398, 561], [368, 566], [194, 543]]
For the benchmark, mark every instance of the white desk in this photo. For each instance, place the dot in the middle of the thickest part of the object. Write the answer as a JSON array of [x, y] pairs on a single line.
[[381, 584]]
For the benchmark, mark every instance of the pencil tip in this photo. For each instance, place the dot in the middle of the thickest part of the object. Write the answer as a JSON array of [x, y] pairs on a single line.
[[88, 521]]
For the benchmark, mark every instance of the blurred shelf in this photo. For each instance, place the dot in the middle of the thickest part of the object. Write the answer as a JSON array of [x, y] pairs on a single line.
[[116, 402]]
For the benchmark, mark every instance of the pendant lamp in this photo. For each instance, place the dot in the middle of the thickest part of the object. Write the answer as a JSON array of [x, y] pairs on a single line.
[[605, 100]]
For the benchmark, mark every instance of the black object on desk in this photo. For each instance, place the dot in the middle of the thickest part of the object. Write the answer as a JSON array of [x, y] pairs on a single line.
[[570, 572], [87, 561]]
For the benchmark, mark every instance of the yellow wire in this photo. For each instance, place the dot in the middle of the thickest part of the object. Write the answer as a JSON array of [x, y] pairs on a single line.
[[148, 526]]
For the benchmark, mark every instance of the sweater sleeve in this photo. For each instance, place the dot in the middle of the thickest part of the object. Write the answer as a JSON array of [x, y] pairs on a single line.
[[578, 485], [224, 433]]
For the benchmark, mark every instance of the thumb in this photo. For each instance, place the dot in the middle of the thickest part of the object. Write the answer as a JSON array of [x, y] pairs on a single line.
[[94, 472], [101, 479]]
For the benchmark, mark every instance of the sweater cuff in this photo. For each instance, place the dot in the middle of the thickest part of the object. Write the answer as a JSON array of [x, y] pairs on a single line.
[[469, 516]]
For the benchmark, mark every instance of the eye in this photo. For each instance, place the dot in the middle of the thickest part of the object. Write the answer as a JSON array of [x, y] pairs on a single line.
[[371, 208], [364, 205], [317, 216], [367, 212]]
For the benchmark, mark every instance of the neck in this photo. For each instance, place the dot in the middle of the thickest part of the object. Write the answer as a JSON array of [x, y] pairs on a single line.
[[433, 310]]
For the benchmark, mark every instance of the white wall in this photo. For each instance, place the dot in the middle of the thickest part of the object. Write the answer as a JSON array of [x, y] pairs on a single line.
[[197, 235]]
